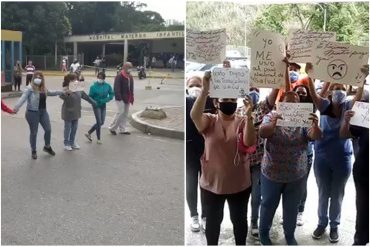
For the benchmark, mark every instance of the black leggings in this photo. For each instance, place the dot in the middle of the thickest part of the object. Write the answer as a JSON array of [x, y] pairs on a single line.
[[215, 212], [193, 172], [17, 82], [362, 207], [28, 79]]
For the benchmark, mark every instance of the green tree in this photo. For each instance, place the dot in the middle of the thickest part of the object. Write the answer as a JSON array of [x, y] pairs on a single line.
[[42, 24]]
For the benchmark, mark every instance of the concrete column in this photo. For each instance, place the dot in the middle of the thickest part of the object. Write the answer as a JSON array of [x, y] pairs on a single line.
[[12, 56], [103, 50], [20, 52], [56, 54], [125, 51], [75, 50], [2, 55]]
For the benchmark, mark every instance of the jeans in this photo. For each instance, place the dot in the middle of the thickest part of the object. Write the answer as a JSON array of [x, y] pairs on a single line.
[[331, 178], [304, 194], [34, 118], [100, 118], [256, 192], [120, 119], [215, 212], [271, 192], [193, 173], [70, 129], [362, 207]]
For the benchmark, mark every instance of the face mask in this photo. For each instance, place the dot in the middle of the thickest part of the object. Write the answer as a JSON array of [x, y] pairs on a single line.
[[228, 108], [100, 81], [194, 91], [302, 98], [293, 76], [37, 81], [129, 71], [339, 96], [255, 96]]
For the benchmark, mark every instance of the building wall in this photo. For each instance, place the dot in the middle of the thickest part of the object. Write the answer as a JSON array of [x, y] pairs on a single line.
[[166, 45]]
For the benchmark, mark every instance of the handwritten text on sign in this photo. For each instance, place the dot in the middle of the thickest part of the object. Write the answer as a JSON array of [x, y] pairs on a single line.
[[295, 114], [229, 83], [77, 86], [339, 63], [301, 44], [206, 46], [361, 117], [267, 66]]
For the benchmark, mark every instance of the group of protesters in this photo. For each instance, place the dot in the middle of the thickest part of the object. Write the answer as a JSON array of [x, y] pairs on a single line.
[[234, 154], [100, 93]]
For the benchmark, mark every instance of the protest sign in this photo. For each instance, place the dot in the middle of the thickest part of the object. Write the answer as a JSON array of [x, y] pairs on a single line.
[[294, 114], [267, 66], [339, 63], [301, 44], [361, 117], [77, 86], [207, 47], [229, 83]]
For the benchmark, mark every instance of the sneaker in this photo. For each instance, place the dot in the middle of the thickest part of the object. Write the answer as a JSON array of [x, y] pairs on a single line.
[[203, 224], [113, 132], [195, 226], [75, 146], [88, 136], [300, 219], [99, 142], [265, 239], [34, 155], [333, 235], [317, 234], [68, 148], [255, 231], [291, 241], [49, 150]]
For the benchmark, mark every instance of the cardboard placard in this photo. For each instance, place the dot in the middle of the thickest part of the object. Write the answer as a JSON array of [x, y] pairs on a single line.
[[267, 66], [361, 117], [207, 47], [339, 63], [294, 114], [301, 44], [229, 83]]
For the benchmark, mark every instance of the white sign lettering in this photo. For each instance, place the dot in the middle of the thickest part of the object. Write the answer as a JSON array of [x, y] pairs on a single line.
[[294, 114], [229, 83]]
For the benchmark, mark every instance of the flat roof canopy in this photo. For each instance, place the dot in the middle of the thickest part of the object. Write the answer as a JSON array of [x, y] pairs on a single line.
[[124, 36]]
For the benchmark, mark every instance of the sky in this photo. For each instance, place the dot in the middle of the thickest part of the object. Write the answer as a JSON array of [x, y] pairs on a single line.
[[168, 9]]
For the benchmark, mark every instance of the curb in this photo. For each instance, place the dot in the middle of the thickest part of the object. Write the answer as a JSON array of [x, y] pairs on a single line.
[[147, 128], [11, 95], [135, 76]]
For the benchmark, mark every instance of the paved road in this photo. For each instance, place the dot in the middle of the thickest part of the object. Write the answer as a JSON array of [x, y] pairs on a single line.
[[303, 233], [128, 191]]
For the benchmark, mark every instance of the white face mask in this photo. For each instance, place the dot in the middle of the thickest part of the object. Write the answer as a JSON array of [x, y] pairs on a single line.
[[37, 81], [339, 96], [100, 81], [194, 91]]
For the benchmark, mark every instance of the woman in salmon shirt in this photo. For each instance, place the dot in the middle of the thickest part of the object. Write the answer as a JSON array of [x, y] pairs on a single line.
[[225, 167]]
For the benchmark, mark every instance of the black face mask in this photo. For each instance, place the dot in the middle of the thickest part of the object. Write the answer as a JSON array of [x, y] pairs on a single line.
[[302, 98], [228, 108]]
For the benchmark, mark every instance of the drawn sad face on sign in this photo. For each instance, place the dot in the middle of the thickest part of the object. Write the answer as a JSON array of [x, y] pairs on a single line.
[[337, 69]]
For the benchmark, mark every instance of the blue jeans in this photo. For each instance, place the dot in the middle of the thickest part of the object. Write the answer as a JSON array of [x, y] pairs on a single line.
[[34, 118], [331, 178], [256, 191], [271, 192], [304, 194], [100, 118], [70, 129]]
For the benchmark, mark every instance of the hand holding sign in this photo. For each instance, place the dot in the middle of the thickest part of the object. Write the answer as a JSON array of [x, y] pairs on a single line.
[[296, 114], [248, 105], [229, 82], [359, 115]]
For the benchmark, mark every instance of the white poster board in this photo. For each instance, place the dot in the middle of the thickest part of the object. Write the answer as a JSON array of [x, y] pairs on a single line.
[[361, 117], [301, 44], [267, 66], [207, 47], [339, 63], [229, 83], [294, 114], [77, 86]]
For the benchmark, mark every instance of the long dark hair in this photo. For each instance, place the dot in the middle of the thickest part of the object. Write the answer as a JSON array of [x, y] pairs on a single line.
[[68, 78]]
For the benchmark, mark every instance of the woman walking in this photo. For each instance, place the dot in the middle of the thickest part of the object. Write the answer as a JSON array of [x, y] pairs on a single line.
[[36, 94], [71, 111], [102, 93], [17, 75]]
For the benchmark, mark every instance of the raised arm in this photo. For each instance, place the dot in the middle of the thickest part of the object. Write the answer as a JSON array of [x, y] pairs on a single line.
[[267, 129], [199, 118], [314, 133], [249, 133], [344, 131], [317, 99]]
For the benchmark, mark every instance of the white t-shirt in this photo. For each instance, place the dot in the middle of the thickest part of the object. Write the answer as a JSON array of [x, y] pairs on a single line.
[[75, 66]]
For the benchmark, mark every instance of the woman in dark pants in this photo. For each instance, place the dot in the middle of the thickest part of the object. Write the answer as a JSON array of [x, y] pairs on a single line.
[[225, 165]]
